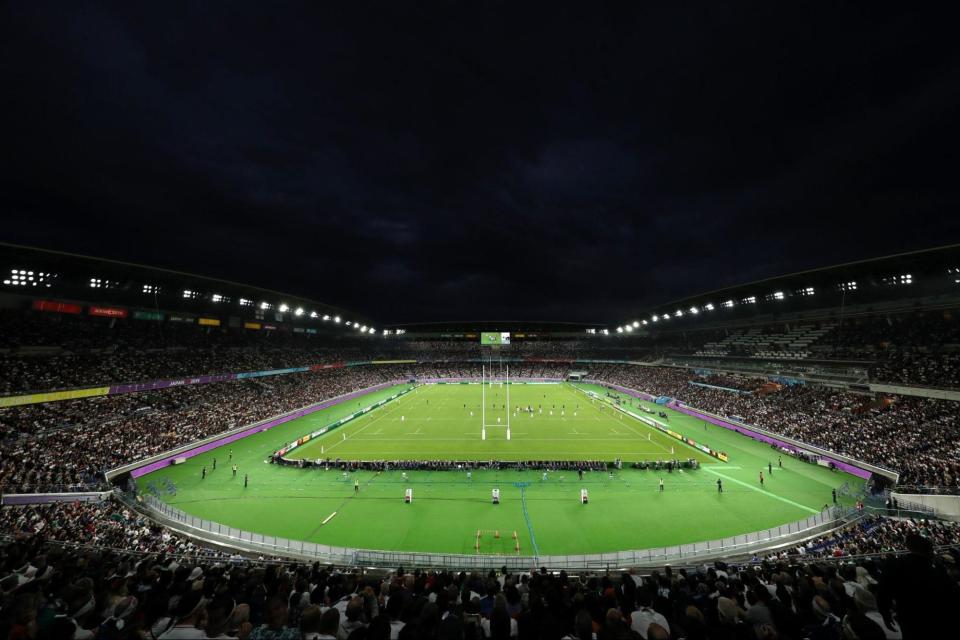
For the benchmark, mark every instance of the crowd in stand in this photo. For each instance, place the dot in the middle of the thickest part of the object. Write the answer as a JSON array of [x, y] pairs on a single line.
[[922, 350], [106, 524], [71, 443], [40, 352], [879, 535], [160, 586], [919, 437], [68, 445]]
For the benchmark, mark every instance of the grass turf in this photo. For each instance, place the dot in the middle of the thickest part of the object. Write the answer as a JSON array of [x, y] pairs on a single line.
[[626, 511]]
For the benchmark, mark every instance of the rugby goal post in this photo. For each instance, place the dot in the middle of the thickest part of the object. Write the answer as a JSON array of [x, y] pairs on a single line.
[[486, 378]]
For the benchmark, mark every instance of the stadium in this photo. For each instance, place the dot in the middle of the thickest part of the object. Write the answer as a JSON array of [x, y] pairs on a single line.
[[478, 322], [287, 430]]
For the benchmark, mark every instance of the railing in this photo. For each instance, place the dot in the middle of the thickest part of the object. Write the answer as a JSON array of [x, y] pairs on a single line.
[[73, 487], [224, 535], [212, 556], [927, 491]]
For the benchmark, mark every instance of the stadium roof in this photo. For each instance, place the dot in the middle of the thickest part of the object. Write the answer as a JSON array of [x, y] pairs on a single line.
[[918, 274], [516, 326], [66, 276]]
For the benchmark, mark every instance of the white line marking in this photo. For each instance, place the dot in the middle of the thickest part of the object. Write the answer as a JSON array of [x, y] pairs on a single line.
[[758, 490]]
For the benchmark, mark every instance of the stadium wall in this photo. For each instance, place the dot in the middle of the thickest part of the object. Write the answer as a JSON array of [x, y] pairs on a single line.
[[11, 499], [923, 392], [944, 506]]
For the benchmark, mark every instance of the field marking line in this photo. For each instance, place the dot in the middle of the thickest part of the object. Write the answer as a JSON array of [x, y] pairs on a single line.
[[763, 491], [329, 518], [367, 426], [618, 422]]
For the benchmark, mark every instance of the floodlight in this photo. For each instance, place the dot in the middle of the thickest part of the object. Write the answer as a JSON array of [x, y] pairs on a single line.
[[708, 306], [264, 306], [299, 311], [326, 317], [336, 319], [313, 314], [678, 313], [619, 329], [635, 324], [348, 323], [655, 318], [643, 322], [694, 310], [284, 308]]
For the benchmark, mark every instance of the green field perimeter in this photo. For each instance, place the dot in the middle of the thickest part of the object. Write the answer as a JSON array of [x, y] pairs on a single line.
[[625, 512]]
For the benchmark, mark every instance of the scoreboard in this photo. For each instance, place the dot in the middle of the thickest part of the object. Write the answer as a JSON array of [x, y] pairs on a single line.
[[494, 337]]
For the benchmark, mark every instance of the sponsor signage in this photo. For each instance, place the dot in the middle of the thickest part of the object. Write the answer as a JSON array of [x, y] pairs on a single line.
[[252, 325], [108, 312], [56, 307], [209, 322], [147, 315]]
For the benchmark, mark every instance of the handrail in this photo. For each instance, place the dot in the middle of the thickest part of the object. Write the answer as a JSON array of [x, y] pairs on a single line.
[[231, 537]]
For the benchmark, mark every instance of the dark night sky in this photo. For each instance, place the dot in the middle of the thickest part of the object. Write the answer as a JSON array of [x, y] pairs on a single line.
[[469, 163]]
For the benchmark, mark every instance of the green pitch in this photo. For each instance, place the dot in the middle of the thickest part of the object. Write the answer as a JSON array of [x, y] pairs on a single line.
[[626, 511]]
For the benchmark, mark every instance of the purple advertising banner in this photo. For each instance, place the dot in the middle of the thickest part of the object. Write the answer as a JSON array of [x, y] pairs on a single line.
[[165, 384], [263, 426], [839, 464]]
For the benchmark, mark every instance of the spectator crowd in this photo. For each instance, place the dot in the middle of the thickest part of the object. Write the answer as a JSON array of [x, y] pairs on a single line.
[[919, 437], [135, 581]]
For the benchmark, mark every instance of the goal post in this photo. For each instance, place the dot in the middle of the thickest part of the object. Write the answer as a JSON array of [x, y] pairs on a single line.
[[487, 378]]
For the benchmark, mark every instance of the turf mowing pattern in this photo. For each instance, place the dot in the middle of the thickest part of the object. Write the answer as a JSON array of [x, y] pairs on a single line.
[[625, 512]]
